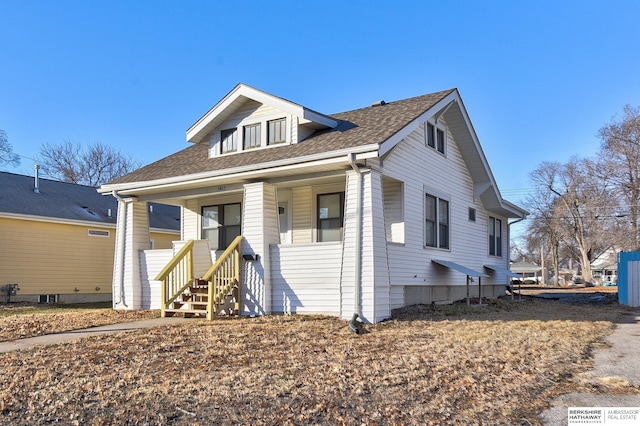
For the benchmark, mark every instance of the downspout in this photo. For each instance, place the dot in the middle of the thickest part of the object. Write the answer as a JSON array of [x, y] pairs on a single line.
[[121, 239], [357, 264]]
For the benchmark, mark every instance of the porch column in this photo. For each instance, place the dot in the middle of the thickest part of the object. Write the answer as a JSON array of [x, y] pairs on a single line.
[[259, 229], [132, 236], [373, 276]]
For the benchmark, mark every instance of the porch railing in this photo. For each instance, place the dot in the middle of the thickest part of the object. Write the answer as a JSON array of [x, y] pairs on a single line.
[[224, 277], [177, 276]]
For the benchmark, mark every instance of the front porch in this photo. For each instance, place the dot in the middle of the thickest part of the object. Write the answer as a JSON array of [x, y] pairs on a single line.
[[298, 251]]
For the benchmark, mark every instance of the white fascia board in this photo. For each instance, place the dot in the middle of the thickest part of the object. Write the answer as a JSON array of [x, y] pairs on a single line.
[[193, 133], [491, 184], [215, 110], [244, 172], [395, 139], [317, 117], [518, 211]]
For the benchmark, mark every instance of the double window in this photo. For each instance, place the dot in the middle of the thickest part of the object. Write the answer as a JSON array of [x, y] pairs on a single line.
[[330, 216], [221, 224], [495, 236], [437, 222], [435, 137]]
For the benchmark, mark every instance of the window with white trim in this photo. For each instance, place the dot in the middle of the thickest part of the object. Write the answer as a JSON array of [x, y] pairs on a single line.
[[431, 135], [436, 222], [330, 209], [221, 224], [251, 136], [228, 140], [276, 131], [436, 137], [440, 140], [495, 236]]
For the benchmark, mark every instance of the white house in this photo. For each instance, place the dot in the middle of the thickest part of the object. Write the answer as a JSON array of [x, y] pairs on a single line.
[[359, 212]]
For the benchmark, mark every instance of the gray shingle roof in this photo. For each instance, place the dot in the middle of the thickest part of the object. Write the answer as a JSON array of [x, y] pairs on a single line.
[[370, 125], [69, 201]]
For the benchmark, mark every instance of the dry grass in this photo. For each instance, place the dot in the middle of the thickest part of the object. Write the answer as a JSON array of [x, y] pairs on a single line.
[[18, 321], [500, 364]]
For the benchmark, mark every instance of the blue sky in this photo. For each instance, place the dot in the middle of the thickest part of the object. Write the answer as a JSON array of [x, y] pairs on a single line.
[[538, 78]]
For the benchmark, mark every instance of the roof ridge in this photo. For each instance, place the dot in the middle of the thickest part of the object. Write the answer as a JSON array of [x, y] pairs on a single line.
[[397, 101]]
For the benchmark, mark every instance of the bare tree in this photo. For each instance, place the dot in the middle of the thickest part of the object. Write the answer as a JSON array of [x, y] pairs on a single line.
[[92, 166], [620, 150], [544, 229], [582, 207], [7, 156]]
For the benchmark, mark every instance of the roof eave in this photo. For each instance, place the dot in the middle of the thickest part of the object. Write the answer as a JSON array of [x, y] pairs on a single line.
[[243, 172]]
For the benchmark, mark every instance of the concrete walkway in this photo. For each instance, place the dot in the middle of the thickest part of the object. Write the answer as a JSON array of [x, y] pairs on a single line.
[[619, 361], [65, 336]]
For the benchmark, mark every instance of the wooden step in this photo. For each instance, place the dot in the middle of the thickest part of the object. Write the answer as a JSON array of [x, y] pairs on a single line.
[[177, 304], [187, 313]]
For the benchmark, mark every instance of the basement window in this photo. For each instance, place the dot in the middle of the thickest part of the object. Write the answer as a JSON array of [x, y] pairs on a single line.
[[98, 233], [48, 298]]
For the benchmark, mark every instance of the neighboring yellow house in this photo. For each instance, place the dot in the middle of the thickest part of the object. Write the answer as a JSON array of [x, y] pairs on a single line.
[[57, 240]]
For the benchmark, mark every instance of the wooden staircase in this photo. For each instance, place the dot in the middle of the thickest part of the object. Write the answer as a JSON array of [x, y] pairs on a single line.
[[194, 301], [209, 296]]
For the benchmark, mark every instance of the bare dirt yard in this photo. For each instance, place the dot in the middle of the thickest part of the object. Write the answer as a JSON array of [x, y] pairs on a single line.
[[501, 364]]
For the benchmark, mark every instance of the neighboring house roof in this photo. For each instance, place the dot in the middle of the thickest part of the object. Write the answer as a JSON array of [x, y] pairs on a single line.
[[373, 131], [523, 267], [70, 202]]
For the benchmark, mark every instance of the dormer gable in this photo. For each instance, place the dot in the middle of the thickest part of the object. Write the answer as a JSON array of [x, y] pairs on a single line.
[[248, 118]]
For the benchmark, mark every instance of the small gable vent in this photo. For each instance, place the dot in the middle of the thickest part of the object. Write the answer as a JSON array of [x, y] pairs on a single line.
[[378, 103]]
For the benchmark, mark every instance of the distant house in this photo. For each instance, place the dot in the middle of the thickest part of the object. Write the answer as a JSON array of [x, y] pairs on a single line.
[[604, 268], [527, 270], [357, 213], [57, 240]]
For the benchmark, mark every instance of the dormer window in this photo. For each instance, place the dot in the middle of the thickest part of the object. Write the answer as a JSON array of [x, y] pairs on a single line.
[[229, 140], [251, 136], [276, 131]]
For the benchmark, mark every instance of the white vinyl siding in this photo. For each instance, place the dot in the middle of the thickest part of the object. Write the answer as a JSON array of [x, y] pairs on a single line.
[[302, 214], [301, 286], [421, 169], [260, 230]]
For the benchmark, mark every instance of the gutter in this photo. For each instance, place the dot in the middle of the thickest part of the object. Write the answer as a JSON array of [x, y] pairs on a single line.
[[246, 172], [357, 305]]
